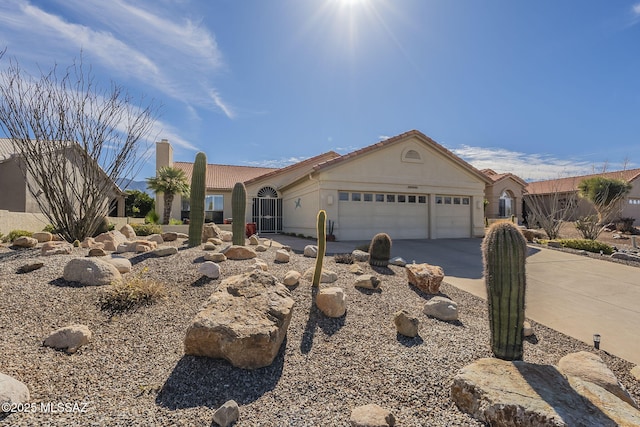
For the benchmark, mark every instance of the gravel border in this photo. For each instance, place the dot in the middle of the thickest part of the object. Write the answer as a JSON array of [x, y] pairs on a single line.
[[134, 371]]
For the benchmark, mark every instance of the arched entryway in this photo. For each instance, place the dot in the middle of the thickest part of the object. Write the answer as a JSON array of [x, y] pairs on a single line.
[[267, 211], [506, 204]]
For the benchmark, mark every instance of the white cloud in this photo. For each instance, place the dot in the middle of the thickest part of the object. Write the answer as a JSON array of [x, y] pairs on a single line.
[[636, 9], [172, 54], [276, 163], [530, 167]]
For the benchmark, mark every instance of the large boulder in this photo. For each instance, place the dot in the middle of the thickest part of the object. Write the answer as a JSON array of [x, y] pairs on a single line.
[[282, 256], [128, 231], [227, 414], [25, 242], [43, 236], [211, 231], [244, 321], [310, 251], [56, 248], [371, 415], [122, 264], [209, 269], [215, 256], [406, 323], [327, 276], [69, 338], [425, 277], [503, 393], [170, 236], [12, 390], [291, 278], [111, 240], [441, 308], [91, 272], [238, 252], [367, 281], [590, 367], [332, 302], [162, 251]]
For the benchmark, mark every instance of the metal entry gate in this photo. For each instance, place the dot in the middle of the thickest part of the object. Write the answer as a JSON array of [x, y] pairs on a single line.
[[267, 214]]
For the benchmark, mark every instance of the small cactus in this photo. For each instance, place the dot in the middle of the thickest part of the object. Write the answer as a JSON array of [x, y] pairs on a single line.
[[380, 250], [196, 199], [321, 227], [504, 250], [238, 211]]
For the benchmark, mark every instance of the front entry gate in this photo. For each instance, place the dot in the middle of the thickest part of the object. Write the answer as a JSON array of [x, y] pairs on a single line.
[[267, 211]]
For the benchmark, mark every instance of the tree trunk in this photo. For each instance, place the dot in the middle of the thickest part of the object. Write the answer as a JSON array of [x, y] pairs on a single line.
[[168, 201]]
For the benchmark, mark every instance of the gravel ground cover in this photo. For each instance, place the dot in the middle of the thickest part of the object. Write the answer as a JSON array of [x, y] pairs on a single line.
[[134, 372]]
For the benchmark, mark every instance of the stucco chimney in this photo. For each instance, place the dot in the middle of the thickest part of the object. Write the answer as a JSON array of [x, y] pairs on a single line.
[[164, 154]]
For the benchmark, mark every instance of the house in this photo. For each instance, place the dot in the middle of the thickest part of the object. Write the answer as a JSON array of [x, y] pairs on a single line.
[[503, 195], [565, 190], [408, 186], [14, 188]]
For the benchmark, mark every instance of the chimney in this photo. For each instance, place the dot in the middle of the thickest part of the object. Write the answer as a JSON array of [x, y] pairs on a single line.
[[164, 154]]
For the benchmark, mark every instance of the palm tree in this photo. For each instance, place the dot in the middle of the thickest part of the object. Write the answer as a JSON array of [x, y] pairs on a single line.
[[169, 181]]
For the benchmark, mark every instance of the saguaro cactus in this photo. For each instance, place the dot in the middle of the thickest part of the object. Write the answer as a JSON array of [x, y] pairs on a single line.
[[238, 211], [380, 250], [196, 199], [321, 228], [504, 250]]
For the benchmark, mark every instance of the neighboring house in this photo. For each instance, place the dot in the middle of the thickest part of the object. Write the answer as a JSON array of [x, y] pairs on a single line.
[[14, 192], [408, 186], [503, 195], [566, 191]]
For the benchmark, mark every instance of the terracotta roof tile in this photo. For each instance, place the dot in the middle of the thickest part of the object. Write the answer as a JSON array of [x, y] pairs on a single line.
[[495, 177], [568, 184], [224, 177]]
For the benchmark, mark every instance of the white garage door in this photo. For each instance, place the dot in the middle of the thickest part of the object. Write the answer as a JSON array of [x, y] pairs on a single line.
[[402, 216], [452, 216]]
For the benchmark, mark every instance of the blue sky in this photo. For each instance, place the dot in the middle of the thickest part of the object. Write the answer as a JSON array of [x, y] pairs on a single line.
[[540, 88]]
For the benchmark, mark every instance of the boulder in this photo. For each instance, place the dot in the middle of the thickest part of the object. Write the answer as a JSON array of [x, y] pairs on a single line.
[[261, 248], [399, 261], [244, 321], [259, 264], [69, 338], [310, 251], [591, 368], [527, 330], [182, 235], [371, 415], [96, 252], [25, 242], [624, 256], [635, 372], [356, 269], [282, 256], [214, 256], [227, 414], [360, 256], [209, 246], [531, 235], [12, 390], [138, 246], [254, 240], [111, 240], [226, 236], [56, 248], [91, 272], [128, 231], [237, 252], [123, 265], [332, 302], [169, 236], [162, 251], [328, 276], [90, 242], [28, 268], [367, 281], [425, 277], [215, 241], [291, 278], [157, 238], [406, 323], [503, 393], [209, 231], [441, 308], [43, 236], [209, 269]]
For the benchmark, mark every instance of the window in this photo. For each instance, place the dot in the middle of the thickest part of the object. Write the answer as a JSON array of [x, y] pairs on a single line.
[[447, 200], [402, 198], [438, 200], [456, 200], [634, 201], [465, 200], [356, 197], [505, 205], [422, 199], [412, 199], [368, 197], [342, 196], [379, 197], [391, 198], [214, 202]]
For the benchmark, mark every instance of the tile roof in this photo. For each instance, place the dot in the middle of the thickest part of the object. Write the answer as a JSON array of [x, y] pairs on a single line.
[[568, 184], [224, 177], [495, 177]]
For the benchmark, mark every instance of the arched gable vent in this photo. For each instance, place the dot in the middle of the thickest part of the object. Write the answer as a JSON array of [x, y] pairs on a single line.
[[411, 156], [268, 192]]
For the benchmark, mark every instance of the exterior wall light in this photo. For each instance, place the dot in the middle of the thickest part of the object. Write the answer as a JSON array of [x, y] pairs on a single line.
[[596, 341]]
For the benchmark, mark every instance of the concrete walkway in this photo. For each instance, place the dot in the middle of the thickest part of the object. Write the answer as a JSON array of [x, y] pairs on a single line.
[[572, 294]]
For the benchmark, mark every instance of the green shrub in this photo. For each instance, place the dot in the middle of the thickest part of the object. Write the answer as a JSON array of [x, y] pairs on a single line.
[[131, 293], [152, 218], [174, 221], [146, 229], [583, 245], [14, 234]]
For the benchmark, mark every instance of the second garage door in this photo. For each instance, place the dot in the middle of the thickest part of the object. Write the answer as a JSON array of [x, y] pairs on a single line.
[[452, 217]]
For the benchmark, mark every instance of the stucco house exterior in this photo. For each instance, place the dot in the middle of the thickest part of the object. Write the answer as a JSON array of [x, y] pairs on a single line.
[[566, 190], [14, 190], [503, 195], [408, 186]]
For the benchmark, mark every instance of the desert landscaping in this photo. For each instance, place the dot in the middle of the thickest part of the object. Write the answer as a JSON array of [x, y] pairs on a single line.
[[134, 371]]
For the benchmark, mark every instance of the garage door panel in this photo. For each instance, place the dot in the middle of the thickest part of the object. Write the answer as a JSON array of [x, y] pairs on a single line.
[[452, 220]]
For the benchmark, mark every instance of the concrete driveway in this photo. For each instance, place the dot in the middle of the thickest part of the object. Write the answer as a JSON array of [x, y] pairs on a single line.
[[576, 295]]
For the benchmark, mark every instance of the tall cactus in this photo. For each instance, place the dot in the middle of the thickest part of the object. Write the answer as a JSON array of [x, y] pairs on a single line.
[[321, 228], [238, 211], [196, 199], [380, 250], [504, 250]]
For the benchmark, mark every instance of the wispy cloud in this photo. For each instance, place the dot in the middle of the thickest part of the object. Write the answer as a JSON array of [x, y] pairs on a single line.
[[128, 41], [276, 163]]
